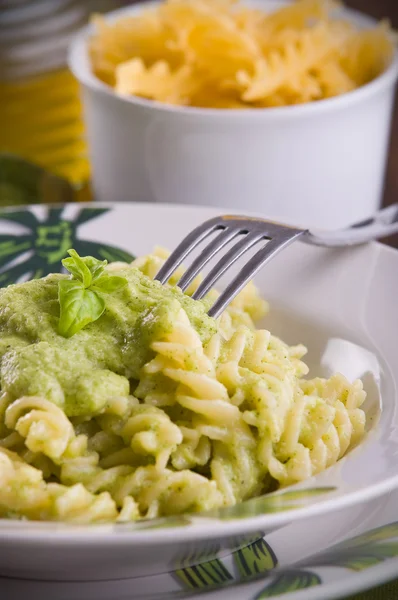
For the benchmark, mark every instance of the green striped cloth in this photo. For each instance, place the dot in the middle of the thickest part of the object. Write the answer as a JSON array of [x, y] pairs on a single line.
[[386, 592]]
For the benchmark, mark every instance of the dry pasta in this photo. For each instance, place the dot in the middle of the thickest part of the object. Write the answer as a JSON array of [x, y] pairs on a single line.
[[222, 54], [207, 424]]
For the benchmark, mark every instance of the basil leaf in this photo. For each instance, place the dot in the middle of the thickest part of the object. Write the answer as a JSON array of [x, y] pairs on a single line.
[[96, 266], [109, 283], [78, 268], [70, 266], [79, 307], [80, 298]]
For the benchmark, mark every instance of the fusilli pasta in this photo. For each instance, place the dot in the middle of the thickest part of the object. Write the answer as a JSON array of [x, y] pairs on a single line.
[[206, 424], [223, 54]]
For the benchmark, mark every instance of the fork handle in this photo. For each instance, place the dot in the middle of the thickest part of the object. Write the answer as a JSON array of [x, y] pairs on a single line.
[[383, 224]]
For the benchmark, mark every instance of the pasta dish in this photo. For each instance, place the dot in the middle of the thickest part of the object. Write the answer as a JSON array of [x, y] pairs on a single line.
[[122, 399]]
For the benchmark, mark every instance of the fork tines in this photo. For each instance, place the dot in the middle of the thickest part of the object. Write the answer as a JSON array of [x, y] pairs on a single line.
[[249, 231]]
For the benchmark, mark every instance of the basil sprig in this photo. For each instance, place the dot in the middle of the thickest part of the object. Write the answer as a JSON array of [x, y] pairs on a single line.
[[80, 297]]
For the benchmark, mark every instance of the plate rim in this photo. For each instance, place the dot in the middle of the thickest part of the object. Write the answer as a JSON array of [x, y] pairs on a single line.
[[41, 532]]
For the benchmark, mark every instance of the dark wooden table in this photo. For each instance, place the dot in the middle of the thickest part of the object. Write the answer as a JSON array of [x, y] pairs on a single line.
[[382, 9]]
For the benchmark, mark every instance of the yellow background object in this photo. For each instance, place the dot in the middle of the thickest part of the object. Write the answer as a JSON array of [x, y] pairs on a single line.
[[41, 121]]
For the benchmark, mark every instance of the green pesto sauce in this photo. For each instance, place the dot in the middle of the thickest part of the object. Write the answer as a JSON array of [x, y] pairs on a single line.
[[81, 373]]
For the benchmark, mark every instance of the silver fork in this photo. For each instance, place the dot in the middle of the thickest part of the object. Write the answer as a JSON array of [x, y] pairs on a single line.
[[273, 237]]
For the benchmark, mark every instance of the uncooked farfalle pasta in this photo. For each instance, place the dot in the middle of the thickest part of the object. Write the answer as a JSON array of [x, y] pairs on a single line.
[[226, 54], [148, 407]]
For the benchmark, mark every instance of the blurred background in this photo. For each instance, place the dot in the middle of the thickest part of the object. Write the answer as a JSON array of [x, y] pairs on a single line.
[[382, 9], [40, 112], [40, 116]]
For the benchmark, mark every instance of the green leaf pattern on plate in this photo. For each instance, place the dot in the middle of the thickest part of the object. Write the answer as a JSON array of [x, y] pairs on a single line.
[[362, 552], [289, 581], [160, 523], [271, 503], [39, 250], [204, 575], [381, 534], [258, 558], [255, 559]]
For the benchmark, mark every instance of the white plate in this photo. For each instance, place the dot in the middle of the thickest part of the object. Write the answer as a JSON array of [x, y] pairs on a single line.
[[316, 559], [335, 302]]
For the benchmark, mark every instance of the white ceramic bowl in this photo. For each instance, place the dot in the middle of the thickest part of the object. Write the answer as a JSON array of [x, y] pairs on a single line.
[[320, 164], [333, 301]]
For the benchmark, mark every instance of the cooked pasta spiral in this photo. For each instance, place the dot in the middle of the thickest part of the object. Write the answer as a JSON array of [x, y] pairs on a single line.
[[323, 422], [150, 431], [44, 427], [24, 492]]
